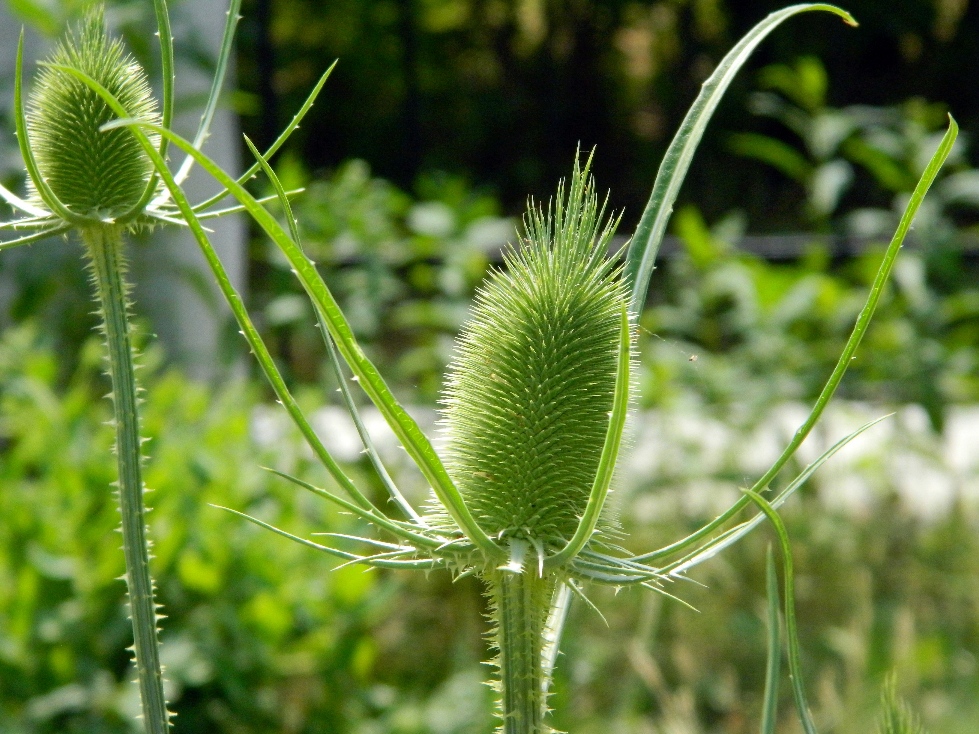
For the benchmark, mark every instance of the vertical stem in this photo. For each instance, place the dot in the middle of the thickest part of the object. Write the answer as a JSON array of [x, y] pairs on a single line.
[[521, 603], [104, 248]]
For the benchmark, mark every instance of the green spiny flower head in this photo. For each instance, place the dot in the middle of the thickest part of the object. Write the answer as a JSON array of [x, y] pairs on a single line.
[[528, 396], [94, 173]]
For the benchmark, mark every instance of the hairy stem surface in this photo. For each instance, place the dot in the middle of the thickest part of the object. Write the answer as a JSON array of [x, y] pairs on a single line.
[[104, 248], [521, 603]]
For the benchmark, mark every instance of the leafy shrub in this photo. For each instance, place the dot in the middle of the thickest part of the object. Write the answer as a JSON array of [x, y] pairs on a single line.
[[743, 317], [255, 641], [402, 266]]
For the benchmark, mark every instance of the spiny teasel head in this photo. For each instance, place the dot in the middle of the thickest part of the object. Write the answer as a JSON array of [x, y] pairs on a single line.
[[93, 172], [528, 395]]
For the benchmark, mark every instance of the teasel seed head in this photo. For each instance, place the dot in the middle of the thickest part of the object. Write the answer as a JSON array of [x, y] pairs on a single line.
[[93, 172], [528, 395]]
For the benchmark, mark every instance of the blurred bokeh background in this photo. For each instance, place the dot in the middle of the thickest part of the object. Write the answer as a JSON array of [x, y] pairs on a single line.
[[441, 118]]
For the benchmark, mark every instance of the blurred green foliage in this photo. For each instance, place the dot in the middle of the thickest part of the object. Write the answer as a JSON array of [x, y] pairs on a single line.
[[260, 636], [403, 268], [745, 318], [858, 164], [874, 595]]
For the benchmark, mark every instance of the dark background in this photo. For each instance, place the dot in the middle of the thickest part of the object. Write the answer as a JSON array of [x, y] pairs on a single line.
[[503, 91]]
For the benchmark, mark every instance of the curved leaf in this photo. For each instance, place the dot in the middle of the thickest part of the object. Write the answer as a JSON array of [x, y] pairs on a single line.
[[645, 243]]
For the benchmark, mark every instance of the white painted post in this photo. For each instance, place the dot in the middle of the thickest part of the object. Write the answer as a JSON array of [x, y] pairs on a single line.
[[174, 286]]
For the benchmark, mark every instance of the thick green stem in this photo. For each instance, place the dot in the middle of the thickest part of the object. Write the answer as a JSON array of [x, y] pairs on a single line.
[[104, 247], [520, 607]]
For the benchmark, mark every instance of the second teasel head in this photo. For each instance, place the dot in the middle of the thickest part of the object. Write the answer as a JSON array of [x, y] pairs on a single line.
[[96, 173], [528, 395]]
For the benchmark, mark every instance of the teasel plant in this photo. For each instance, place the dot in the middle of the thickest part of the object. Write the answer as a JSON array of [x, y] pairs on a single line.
[[896, 716], [535, 407], [97, 187]]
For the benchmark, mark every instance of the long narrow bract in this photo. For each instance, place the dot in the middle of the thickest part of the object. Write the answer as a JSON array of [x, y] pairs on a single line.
[[644, 246]]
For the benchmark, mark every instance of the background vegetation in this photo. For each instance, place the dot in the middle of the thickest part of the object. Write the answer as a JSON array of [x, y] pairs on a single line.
[[442, 117]]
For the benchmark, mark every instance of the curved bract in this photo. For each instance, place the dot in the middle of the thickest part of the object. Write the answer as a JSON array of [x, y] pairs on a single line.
[[641, 257]]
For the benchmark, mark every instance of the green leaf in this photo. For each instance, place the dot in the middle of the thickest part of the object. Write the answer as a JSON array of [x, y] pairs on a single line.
[[698, 240], [39, 14], [805, 83], [776, 153]]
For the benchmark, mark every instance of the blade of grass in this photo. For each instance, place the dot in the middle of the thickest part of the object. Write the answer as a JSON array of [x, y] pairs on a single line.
[[577, 591], [381, 521], [215, 213], [166, 66], [171, 215], [331, 349], [382, 473], [353, 557], [31, 222], [553, 629], [34, 237], [582, 562], [387, 560], [791, 631], [17, 203], [367, 541], [769, 712], [641, 256]]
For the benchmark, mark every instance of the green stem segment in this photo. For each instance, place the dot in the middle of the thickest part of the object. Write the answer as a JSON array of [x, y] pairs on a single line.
[[521, 602], [104, 248]]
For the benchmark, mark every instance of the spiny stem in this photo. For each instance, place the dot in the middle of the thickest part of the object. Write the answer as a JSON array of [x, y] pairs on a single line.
[[520, 607], [104, 248]]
